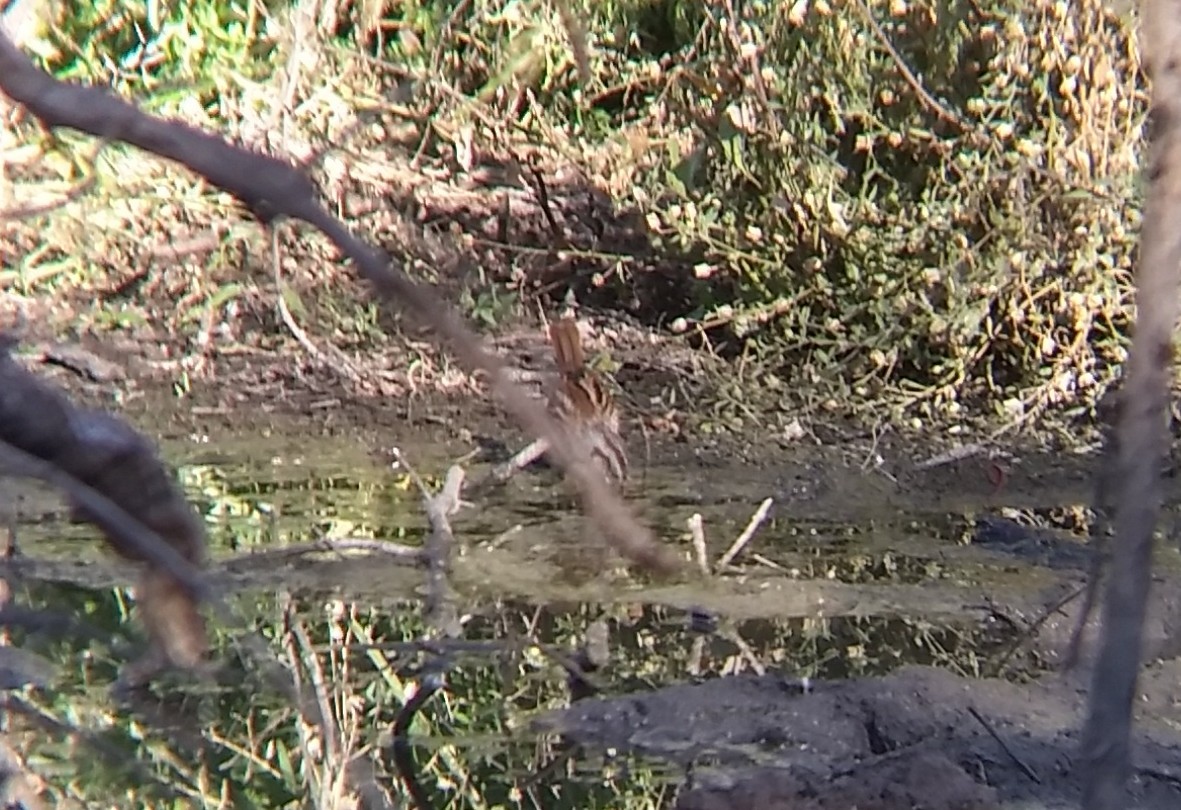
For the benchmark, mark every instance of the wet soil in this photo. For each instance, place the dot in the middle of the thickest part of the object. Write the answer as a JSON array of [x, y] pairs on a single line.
[[919, 737]]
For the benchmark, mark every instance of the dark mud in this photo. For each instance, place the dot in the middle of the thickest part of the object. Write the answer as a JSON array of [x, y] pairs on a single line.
[[919, 737]]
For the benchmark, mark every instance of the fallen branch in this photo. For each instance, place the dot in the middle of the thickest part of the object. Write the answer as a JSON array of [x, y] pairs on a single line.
[[752, 526], [336, 545], [440, 614], [697, 534]]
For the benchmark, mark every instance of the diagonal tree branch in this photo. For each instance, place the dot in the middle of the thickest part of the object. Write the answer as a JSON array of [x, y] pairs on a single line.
[[272, 188]]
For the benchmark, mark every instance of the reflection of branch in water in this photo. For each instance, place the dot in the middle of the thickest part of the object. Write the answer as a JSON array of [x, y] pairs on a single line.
[[440, 618], [703, 624], [1029, 631], [592, 655], [401, 751], [301, 657], [440, 612], [1101, 503]]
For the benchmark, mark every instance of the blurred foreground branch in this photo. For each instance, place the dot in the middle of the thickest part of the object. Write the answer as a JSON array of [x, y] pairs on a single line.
[[113, 478], [1142, 425]]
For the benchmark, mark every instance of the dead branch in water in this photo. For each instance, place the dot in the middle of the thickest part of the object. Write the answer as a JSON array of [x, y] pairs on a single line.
[[1142, 426], [271, 188]]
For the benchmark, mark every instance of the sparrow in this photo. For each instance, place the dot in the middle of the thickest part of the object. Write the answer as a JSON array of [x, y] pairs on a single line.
[[582, 402], [579, 399]]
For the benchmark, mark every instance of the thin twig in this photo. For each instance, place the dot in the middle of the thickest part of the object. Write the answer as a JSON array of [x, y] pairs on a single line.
[[910, 78], [769, 563], [543, 202], [752, 526], [338, 361], [1031, 630], [953, 455], [522, 459], [697, 533], [1028, 771], [39, 209]]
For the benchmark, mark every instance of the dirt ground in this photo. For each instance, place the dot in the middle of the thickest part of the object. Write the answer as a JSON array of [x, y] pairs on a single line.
[[917, 738]]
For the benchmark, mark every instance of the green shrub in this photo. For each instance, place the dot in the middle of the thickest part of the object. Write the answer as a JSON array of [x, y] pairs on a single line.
[[973, 236], [911, 202]]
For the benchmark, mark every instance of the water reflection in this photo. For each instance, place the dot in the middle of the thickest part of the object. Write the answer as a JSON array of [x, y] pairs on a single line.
[[823, 600]]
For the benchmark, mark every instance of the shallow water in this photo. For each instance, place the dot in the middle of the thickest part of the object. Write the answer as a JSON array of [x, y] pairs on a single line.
[[816, 594]]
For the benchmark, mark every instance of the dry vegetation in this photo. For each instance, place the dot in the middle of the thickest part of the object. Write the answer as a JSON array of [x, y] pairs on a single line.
[[930, 208]]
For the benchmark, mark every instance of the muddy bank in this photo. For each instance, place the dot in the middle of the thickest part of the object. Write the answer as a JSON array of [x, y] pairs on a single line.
[[920, 737], [399, 388]]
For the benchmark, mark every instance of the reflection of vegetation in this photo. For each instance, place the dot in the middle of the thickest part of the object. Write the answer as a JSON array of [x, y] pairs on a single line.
[[473, 743], [243, 742], [346, 495]]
